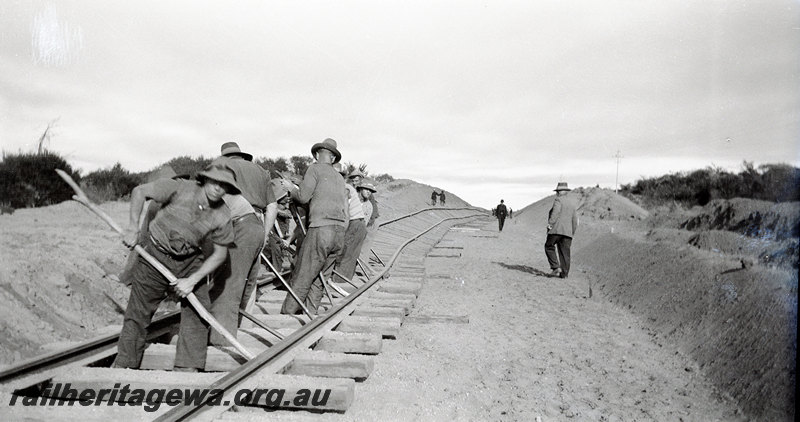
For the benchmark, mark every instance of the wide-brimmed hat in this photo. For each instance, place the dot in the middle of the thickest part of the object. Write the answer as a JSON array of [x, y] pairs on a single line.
[[221, 174], [367, 186], [232, 148], [562, 186], [330, 145], [355, 173]]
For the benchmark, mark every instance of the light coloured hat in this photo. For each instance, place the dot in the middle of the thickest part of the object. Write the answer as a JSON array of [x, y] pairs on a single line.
[[367, 186], [221, 174], [330, 145], [355, 173], [562, 186], [232, 148]]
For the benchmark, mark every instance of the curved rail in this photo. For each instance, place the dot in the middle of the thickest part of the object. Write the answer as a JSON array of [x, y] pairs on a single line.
[[237, 377], [429, 209], [97, 349]]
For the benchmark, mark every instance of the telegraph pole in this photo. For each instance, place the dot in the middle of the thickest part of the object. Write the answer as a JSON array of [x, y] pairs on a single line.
[[618, 156]]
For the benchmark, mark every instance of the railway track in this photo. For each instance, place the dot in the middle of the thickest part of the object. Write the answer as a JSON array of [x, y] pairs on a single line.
[[300, 363]]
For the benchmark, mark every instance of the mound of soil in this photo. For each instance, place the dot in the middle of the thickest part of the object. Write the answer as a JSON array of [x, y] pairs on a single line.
[[58, 278], [738, 324], [404, 196], [595, 203], [751, 217]]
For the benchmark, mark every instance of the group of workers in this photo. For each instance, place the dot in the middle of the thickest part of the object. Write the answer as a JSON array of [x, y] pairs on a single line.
[[210, 233], [438, 195]]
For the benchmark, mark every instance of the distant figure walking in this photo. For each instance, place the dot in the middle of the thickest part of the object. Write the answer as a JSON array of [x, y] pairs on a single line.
[[561, 225], [442, 198], [501, 213], [434, 195], [510, 213]]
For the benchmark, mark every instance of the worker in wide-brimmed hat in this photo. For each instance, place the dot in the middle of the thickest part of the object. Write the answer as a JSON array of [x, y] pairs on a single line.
[[561, 225], [323, 188], [253, 215], [149, 210], [278, 240], [356, 231], [365, 191], [355, 178], [192, 213]]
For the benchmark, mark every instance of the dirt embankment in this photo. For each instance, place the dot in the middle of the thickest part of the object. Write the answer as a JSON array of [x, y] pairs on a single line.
[[764, 231], [595, 203], [702, 289], [59, 268], [739, 324], [58, 277]]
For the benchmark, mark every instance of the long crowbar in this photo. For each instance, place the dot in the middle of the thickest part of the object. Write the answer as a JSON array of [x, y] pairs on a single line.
[[81, 197], [286, 285]]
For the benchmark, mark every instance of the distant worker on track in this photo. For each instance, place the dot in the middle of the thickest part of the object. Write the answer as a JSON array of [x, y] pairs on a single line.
[[561, 225], [442, 198], [434, 195], [500, 213], [191, 214]]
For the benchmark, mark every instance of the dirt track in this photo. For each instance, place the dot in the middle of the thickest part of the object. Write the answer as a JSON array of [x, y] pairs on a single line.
[[534, 346]]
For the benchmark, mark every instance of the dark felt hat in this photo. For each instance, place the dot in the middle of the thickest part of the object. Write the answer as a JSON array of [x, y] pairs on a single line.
[[330, 145], [232, 148], [221, 174]]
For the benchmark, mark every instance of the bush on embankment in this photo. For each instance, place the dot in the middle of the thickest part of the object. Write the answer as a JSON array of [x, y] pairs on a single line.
[[29, 180], [769, 182], [738, 324]]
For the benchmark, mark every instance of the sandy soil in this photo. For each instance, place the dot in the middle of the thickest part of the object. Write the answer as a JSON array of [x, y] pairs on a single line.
[[669, 331]]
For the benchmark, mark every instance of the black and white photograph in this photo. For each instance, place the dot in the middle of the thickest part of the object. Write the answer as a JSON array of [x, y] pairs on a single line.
[[395, 210]]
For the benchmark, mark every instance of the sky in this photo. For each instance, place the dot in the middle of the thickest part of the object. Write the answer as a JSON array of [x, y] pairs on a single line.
[[485, 99]]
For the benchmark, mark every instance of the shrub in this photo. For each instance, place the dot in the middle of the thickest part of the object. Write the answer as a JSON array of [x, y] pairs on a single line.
[[385, 177], [771, 182], [188, 165], [110, 184], [273, 166], [300, 163], [30, 180]]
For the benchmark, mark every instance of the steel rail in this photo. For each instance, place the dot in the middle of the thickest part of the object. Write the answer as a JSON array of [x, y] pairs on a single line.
[[430, 209], [158, 327], [284, 347]]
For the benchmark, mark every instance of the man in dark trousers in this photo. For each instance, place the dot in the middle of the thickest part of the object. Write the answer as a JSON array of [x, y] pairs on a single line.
[[501, 213], [323, 188], [561, 225], [191, 214], [252, 214]]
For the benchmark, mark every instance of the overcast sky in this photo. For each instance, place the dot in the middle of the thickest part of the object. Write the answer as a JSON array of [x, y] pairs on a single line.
[[488, 100]]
